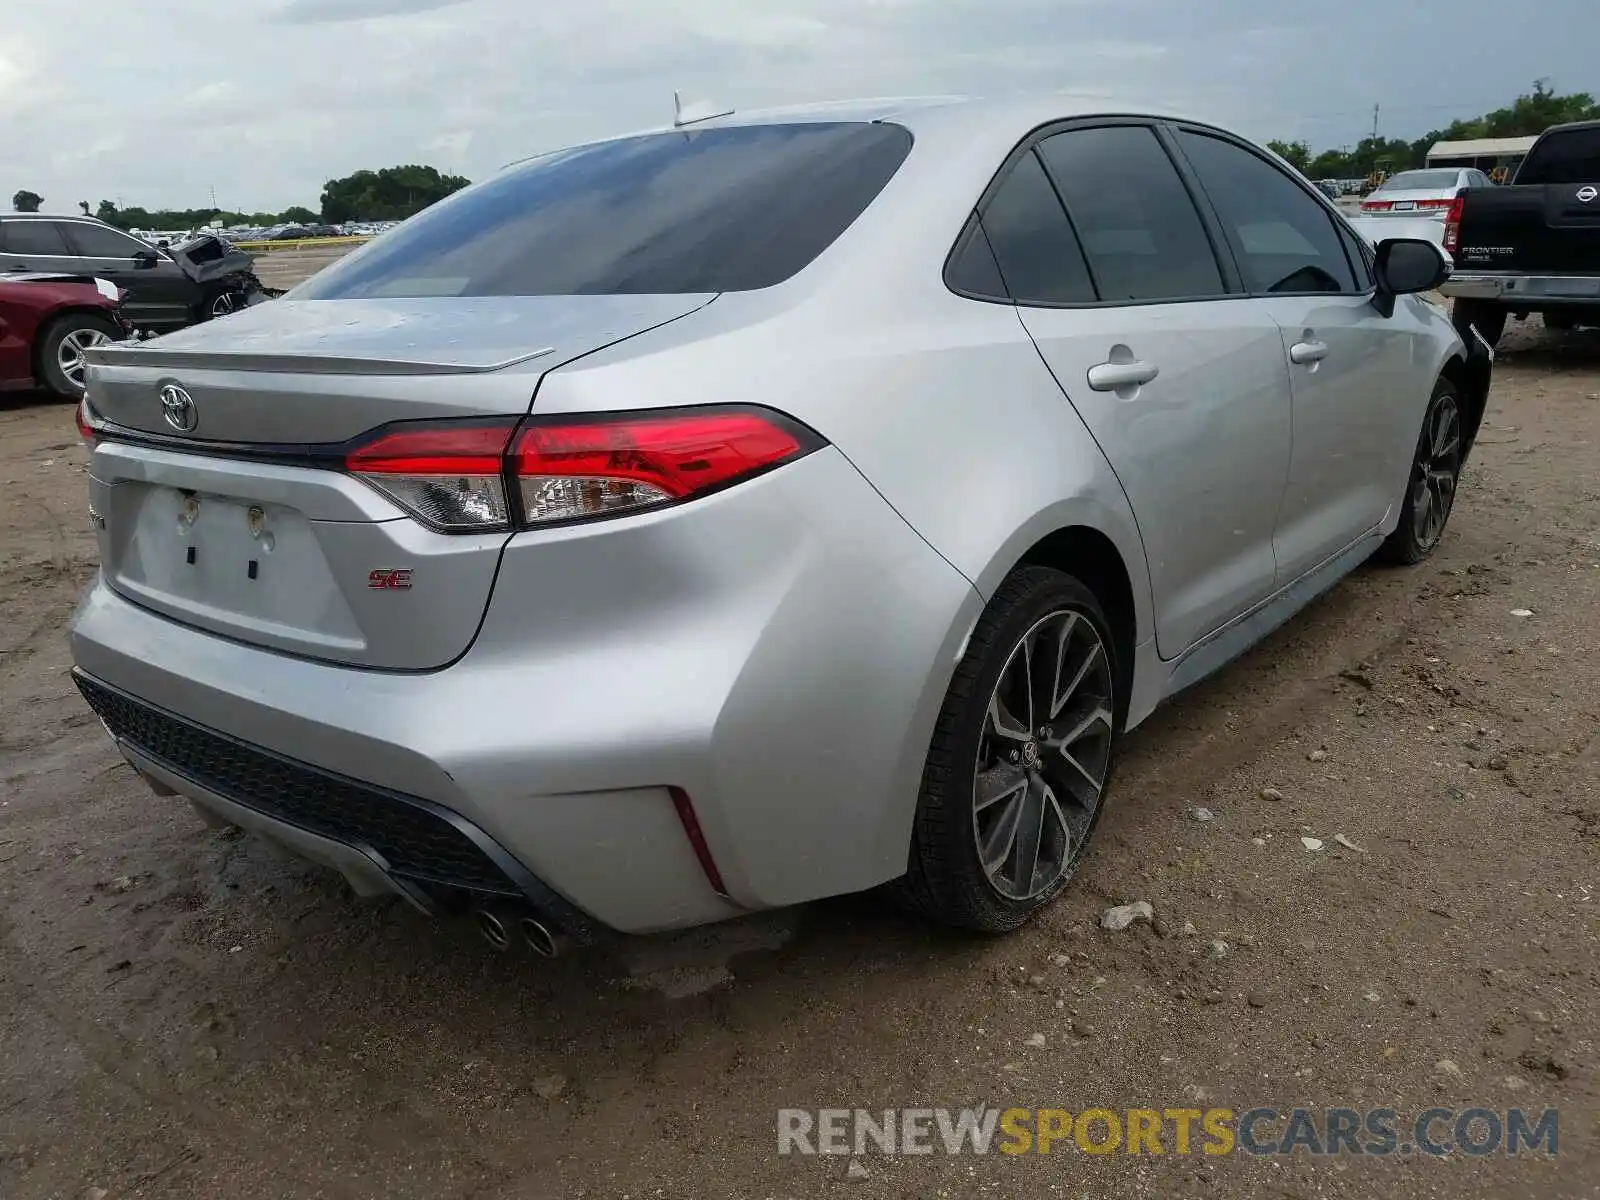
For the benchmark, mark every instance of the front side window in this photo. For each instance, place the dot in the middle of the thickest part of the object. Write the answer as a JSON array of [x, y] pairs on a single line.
[[96, 241], [1285, 241], [1357, 254], [33, 237], [695, 210], [1138, 225]]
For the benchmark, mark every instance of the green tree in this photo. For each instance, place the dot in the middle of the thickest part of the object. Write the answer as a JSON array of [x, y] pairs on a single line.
[[1296, 154], [26, 201], [297, 215], [1331, 164], [1537, 110], [1530, 114], [391, 194], [108, 213]]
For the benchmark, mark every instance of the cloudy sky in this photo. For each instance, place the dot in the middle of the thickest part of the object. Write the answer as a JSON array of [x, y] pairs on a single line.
[[157, 102]]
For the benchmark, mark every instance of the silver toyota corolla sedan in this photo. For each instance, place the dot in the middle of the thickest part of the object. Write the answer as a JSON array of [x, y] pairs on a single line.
[[768, 508]]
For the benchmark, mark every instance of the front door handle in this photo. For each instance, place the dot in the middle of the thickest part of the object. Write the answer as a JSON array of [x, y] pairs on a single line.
[[1307, 352], [1110, 376]]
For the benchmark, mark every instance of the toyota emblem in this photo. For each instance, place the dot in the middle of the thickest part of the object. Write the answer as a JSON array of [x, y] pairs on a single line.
[[178, 410], [1588, 194]]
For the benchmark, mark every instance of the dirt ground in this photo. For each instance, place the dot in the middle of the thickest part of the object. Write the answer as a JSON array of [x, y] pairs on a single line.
[[185, 1014], [285, 268]]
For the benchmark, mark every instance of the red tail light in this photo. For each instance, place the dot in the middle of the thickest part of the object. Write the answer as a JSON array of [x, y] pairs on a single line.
[[1435, 203], [450, 476], [88, 426], [579, 469], [453, 475], [1452, 225], [1376, 205]]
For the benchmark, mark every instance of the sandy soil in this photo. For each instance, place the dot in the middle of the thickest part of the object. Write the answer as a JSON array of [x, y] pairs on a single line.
[[183, 1013]]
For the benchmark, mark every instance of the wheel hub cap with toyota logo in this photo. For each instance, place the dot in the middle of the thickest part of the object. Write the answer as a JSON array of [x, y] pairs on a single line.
[[178, 410]]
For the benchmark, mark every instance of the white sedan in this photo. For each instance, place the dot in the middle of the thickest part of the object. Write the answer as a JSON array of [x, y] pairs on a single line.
[[1426, 193]]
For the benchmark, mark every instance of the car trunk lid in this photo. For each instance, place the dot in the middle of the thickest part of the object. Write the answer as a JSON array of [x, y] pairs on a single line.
[[236, 517]]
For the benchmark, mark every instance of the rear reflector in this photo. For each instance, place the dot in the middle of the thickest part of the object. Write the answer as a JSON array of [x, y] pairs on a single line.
[[453, 476], [697, 839]]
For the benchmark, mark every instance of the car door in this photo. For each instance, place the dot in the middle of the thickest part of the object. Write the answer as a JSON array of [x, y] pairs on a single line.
[[1349, 365], [1182, 384], [160, 295], [35, 244]]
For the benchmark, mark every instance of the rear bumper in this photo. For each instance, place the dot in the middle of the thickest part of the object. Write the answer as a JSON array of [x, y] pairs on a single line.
[[380, 841], [778, 651], [1516, 290]]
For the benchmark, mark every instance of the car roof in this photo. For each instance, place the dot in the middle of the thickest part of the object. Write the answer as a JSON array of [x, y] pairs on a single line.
[[16, 216], [1017, 113], [1005, 118], [1571, 126]]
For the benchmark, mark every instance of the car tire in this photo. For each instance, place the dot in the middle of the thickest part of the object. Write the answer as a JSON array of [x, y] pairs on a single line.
[[981, 778], [1433, 481], [220, 303], [59, 350], [1490, 320]]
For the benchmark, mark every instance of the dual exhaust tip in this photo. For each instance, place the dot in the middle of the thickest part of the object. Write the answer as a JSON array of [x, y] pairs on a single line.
[[501, 929]]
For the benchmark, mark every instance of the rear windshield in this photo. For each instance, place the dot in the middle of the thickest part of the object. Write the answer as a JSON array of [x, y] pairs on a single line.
[[1422, 181], [709, 210], [1571, 156]]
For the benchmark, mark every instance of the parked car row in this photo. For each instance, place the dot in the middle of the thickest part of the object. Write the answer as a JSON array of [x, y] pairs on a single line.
[[166, 288]]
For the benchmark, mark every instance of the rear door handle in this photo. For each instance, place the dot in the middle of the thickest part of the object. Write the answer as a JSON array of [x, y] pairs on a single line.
[[1305, 353], [1109, 376]]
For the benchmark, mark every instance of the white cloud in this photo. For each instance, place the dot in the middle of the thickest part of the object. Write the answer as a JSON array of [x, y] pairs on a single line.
[[158, 102]]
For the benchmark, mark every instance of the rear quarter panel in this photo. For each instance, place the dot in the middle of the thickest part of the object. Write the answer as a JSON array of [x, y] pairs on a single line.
[[942, 403], [946, 409]]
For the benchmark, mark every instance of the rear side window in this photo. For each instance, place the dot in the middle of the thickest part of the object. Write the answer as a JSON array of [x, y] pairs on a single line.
[[1284, 240], [1422, 181], [1571, 156], [1138, 224], [33, 237], [1034, 245], [973, 270], [707, 210], [96, 241]]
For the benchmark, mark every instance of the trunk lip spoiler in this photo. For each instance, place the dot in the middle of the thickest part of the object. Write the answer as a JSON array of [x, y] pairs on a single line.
[[123, 354]]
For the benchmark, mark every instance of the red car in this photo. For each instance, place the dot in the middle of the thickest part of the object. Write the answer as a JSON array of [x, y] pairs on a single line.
[[46, 324]]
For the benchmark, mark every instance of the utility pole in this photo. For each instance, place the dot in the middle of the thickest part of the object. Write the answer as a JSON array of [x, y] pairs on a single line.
[[1375, 122], [214, 193]]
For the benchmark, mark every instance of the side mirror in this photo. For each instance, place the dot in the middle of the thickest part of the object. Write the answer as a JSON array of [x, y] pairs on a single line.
[[144, 260], [1405, 266]]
